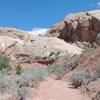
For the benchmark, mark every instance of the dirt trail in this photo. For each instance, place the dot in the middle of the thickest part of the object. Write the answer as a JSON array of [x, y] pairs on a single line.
[[56, 90]]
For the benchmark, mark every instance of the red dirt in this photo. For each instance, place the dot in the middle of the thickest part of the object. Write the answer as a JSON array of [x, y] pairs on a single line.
[[52, 89]]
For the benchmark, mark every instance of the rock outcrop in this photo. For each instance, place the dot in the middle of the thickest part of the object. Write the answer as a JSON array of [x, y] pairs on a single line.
[[23, 47], [82, 27]]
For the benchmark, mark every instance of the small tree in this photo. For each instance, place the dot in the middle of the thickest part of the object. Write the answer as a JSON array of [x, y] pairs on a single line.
[[18, 69]]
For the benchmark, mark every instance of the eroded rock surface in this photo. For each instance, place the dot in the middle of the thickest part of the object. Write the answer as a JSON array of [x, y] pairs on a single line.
[[82, 27], [27, 49]]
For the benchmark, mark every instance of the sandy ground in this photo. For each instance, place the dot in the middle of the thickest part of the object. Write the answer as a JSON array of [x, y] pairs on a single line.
[[52, 89]]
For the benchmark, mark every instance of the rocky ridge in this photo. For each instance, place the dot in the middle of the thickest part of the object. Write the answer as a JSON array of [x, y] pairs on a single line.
[[82, 27]]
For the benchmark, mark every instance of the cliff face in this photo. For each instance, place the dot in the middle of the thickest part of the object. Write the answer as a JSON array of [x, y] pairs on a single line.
[[82, 27]]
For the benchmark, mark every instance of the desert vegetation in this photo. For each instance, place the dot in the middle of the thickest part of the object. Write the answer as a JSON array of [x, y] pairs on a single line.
[[19, 81], [79, 77], [4, 63]]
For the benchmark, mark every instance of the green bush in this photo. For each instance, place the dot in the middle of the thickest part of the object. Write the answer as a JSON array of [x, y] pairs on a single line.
[[4, 63], [18, 69]]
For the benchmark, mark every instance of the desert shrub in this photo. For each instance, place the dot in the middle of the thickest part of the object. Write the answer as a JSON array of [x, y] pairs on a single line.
[[97, 70], [40, 73], [31, 76], [79, 77], [90, 48], [50, 56], [19, 92], [26, 78], [18, 69], [95, 45], [74, 60], [20, 85], [4, 83], [58, 69], [97, 96], [87, 49], [4, 63], [22, 92], [52, 53], [14, 88]]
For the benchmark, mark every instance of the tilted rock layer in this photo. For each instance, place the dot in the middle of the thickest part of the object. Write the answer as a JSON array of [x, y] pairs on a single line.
[[82, 27]]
